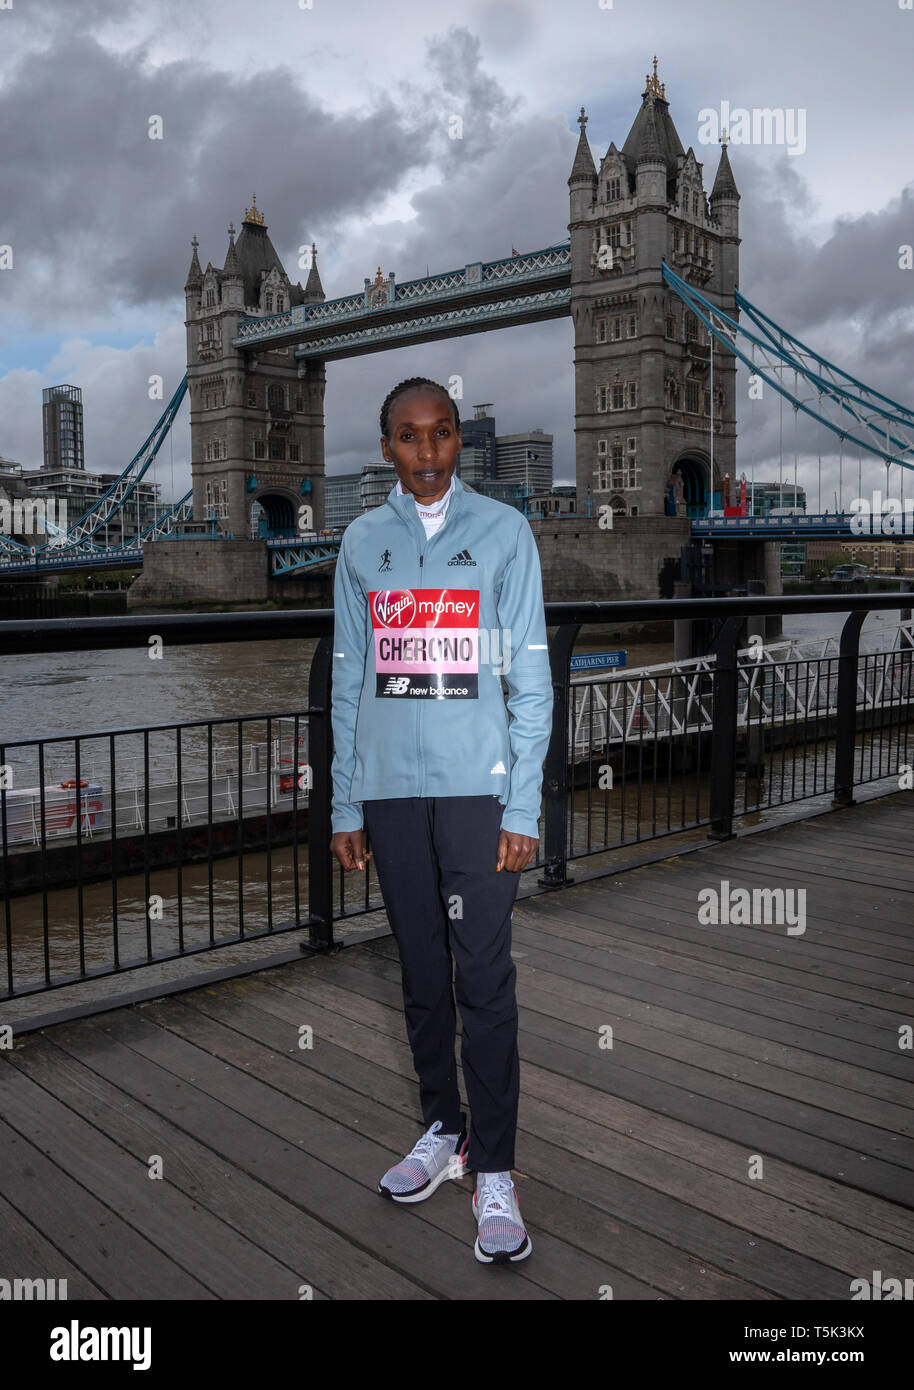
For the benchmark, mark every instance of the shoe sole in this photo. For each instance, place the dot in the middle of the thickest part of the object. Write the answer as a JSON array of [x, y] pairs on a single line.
[[405, 1198], [501, 1257]]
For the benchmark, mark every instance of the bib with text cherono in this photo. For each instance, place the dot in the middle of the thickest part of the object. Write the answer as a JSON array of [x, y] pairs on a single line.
[[426, 643]]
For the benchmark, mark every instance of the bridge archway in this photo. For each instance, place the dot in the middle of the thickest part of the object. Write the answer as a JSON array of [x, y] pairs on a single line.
[[273, 513], [692, 471]]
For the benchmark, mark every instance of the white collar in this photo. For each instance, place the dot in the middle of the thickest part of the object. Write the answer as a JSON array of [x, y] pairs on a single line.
[[429, 506]]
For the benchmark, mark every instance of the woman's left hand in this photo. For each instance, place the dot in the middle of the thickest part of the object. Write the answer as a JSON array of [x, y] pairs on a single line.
[[515, 851]]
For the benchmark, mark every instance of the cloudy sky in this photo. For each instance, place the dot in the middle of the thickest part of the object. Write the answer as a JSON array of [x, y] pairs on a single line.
[[337, 116]]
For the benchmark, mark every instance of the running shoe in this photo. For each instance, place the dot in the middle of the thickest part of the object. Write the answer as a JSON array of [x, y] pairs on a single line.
[[501, 1234], [430, 1163]]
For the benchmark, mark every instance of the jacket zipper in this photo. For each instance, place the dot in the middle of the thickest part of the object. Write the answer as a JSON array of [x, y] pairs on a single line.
[[427, 540]]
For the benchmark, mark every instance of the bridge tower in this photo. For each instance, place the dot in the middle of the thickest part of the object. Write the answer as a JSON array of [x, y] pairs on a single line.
[[642, 361], [256, 419]]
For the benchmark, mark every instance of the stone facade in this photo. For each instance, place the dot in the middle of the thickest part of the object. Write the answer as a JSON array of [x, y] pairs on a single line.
[[256, 419], [643, 397], [580, 561], [186, 571]]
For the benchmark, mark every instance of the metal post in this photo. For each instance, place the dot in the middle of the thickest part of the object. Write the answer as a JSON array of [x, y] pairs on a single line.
[[723, 730], [320, 860], [846, 723], [556, 766]]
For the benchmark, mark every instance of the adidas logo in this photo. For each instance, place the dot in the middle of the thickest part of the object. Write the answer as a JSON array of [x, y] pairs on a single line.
[[463, 557], [499, 767]]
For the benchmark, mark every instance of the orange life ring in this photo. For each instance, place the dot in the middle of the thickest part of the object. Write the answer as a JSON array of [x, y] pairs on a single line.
[[72, 783]]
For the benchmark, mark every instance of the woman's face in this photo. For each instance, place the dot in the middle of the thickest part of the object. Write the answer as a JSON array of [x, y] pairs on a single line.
[[422, 442]]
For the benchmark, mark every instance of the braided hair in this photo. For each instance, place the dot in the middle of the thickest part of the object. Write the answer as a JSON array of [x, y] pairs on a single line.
[[408, 385]]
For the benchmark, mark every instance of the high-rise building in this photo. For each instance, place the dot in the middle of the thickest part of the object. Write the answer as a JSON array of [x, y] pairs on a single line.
[[375, 484], [62, 421], [476, 460], [525, 459], [342, 499]]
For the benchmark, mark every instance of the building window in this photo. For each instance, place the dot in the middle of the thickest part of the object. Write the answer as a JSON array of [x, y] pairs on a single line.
[[601, 398], [252, 398], [601, 447], [707, 403], [268, 302], [618, 396], [210, 298], [632, 326], [294, 451], [671, 326], [632, 395], [613, 190], [299, 402], [277, 447], [692, 397], [633, 510], [692, 329], [260, 450], [630, 443], [276, 397], [615, 235], [616, 329], [601, 330], [280, 304]]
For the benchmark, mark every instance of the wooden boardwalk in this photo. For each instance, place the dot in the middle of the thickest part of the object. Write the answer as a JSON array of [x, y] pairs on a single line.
[[730, 1044]]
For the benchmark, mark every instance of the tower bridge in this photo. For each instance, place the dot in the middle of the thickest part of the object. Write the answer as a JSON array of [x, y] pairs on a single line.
[[648, 278]]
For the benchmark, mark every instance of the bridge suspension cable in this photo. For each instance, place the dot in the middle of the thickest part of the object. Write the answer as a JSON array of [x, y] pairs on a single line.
[[878, 425]]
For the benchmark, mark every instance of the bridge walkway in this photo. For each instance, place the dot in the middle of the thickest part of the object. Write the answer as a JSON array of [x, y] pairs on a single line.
[[731, 1044]]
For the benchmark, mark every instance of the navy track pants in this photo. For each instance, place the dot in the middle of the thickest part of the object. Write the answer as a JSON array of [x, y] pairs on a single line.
[[450, 913]]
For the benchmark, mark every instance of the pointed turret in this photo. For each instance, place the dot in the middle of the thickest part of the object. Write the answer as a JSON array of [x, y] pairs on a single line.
[[724, 183], [583, 169], [231, 267], [314, 290], [195, 274]]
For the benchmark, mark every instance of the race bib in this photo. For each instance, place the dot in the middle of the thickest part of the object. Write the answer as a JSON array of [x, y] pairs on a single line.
[[426, 643]]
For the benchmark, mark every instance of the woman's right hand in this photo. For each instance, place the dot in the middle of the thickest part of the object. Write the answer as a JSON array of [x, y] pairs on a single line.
[[347, 846]]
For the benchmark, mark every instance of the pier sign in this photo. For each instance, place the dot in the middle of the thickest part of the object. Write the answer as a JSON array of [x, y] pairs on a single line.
[[596, 661]]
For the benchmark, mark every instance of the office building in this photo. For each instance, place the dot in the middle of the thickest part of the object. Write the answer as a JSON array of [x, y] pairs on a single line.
[[62, 421]]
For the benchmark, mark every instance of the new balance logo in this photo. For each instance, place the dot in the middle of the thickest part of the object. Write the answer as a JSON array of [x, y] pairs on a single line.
[[499, 767], [396, 685], [463, 557]]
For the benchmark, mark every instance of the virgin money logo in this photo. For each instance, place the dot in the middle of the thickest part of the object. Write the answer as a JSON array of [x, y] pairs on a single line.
[[395, 607]]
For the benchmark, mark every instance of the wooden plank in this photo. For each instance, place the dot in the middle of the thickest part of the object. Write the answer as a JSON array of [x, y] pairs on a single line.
[[677, 891], [720, 1156], [568, 1269], [650, 1259], [226, 1263], [305, 1157], [796, 1129], [95, 1238], [279, 1227], [26, 1254], [714, 1243], [677, 929]]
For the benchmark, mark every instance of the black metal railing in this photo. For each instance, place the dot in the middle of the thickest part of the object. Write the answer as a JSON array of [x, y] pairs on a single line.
[[136, 846]]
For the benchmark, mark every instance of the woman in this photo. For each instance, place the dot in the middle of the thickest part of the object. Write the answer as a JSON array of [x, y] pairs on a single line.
[[437, 596]]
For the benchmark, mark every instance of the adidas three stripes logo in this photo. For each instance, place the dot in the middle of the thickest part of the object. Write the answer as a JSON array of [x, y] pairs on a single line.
[[463, 557]]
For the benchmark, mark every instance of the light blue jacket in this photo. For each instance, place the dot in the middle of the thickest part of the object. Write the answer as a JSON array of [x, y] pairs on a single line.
[[425, 630]]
